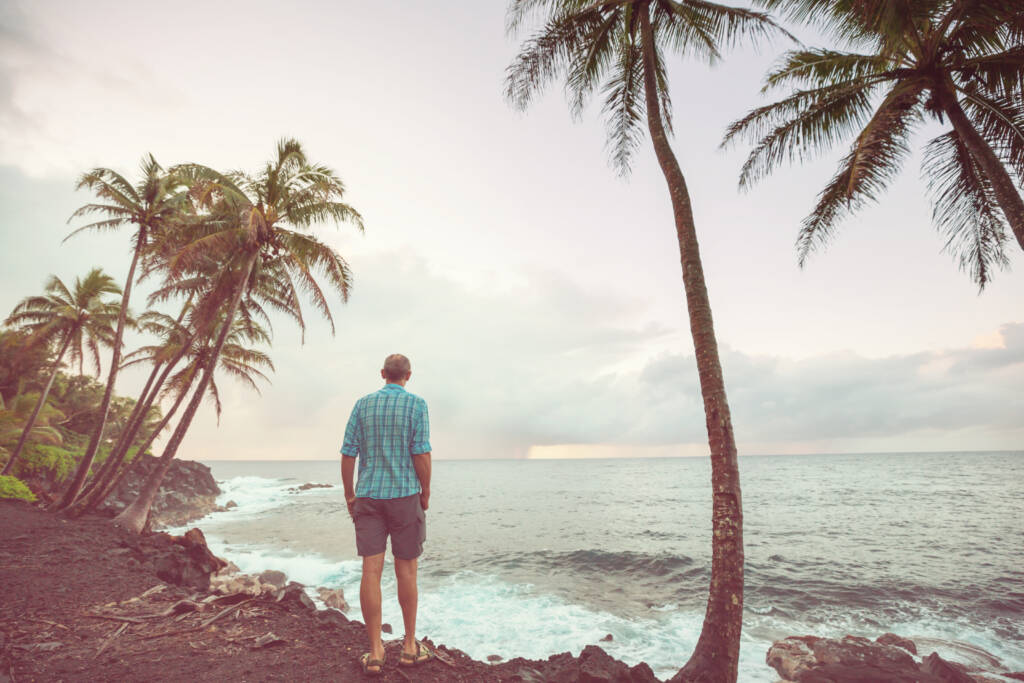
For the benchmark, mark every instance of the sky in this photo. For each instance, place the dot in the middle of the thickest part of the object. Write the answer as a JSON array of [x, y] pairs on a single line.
[[537, 293]]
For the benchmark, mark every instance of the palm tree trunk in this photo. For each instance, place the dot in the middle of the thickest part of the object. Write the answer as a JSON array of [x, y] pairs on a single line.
[[115, 361], [103, 483], [107, 487], [39, 406], [134, 516], [124, 441], [1002, 185], [716, 655]]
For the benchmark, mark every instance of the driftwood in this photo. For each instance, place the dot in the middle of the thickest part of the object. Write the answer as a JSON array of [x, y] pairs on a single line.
[[108, 641]]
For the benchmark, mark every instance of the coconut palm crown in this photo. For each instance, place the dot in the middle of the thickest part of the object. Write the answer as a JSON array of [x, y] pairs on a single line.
[[909, 61], [77, 320]]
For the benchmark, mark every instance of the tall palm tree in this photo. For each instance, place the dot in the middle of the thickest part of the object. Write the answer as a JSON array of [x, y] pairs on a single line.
[[78, 320], [157, 199], [909, 61], [618, 47], [255, 228]]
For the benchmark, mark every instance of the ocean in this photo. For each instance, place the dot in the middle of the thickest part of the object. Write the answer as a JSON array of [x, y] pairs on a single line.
[[534, 557]]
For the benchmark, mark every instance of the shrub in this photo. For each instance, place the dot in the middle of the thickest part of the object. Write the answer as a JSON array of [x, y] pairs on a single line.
[[48, 462], [12, 487]]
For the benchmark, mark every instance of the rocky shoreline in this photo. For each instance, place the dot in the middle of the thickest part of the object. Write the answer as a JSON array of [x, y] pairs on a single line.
[[85, 600]]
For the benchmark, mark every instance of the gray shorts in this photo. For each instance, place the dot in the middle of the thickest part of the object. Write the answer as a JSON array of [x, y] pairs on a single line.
[[401, 518]]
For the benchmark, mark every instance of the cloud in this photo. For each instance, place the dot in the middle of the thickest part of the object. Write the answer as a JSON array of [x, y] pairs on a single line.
[[546, 362]]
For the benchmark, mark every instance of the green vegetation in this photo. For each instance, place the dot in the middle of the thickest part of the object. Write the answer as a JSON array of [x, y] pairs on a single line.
[[12, 487], [228, 248]]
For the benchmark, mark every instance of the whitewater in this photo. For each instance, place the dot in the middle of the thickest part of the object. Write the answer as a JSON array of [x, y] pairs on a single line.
[[532, 558]]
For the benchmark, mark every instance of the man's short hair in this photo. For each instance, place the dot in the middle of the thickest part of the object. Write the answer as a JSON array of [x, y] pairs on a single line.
[[397, 367]]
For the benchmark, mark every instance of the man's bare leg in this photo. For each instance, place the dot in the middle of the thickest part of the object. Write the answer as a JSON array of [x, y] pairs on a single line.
[[369, 602], [408, 596]]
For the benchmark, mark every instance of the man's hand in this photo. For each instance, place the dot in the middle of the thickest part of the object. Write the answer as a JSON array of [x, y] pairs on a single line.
[[425, 499], [351, 502]]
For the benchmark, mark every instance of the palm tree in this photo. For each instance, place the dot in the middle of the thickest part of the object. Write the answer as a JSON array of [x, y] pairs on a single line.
[[156, 200], [911, 61], [78, 320], [618, 46], [244, 230]]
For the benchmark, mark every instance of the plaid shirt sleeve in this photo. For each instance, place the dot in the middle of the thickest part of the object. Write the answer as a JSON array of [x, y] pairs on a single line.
[[420, 430], [350, 447]]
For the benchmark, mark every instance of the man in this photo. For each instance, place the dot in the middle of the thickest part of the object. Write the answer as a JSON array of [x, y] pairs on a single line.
[[389, 433]]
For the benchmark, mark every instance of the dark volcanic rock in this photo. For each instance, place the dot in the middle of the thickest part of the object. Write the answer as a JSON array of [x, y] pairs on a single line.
[[181, 560], [809, 659], [187, 492], [899, 641], [946, 671]]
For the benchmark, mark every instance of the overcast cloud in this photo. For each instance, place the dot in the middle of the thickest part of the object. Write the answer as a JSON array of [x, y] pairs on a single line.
[[538, 295]]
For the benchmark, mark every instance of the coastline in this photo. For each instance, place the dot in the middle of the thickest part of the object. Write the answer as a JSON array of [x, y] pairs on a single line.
[[82, 601]]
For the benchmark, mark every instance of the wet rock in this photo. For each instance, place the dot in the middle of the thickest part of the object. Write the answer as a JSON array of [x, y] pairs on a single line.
[[597, 666], [808, 658], [295, 593], [308, 486], [899, 641], [230, 504], [642, 673], [494, 658], [943, 670], [608, 638], [333, 597], [273, 577], [385, 628]]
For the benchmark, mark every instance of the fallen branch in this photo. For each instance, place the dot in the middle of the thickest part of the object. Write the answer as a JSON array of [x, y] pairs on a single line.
[[111, 617], [223, 612], [51, 623], [108, 641]]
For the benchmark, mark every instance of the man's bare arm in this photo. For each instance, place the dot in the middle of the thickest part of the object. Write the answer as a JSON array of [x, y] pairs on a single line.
[[348, 469], [422, 464]]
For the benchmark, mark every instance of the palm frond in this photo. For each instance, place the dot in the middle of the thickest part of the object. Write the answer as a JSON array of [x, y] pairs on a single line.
[[876, 157], [965, 207], [1000, 120], [624, 105]]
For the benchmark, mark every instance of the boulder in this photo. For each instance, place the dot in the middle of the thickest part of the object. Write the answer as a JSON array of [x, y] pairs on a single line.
[[806, 659], [597, 666], [386, 628], [182, 560], [944, 670], [273, 577], [899, 641], [608, 638], [230, 504], [333, 597], [494, 658], [295, 593]]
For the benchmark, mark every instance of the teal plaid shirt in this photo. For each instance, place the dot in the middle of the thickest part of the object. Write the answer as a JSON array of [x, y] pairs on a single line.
[[385, 430]]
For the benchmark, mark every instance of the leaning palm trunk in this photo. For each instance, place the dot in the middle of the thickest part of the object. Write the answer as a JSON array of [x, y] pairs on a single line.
[[124, 441], [115, 362], [38, 408], [134, 516], [716, 655], [1006, 193], [109, 486]]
